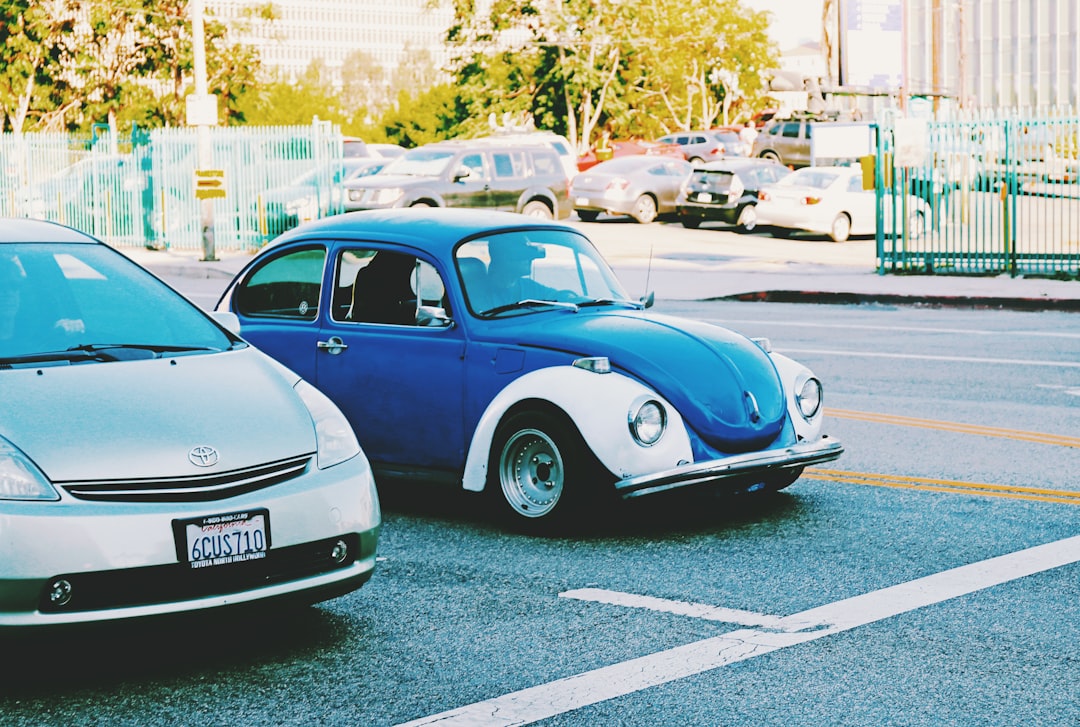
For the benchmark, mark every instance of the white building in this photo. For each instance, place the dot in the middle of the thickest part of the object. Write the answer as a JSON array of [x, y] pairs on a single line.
[[332, 29]]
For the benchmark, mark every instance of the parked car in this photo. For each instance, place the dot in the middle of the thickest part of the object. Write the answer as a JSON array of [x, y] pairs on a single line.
[[697, 146], [151, 461], [727, 191], [386, 151], [734, 145], [559, 143], [481, 350], [641, 186], [524, 178], [832, 201], [315, 193], [628, 147]]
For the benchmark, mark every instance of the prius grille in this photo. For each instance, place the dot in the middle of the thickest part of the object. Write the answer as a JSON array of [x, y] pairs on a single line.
[[197, 488]]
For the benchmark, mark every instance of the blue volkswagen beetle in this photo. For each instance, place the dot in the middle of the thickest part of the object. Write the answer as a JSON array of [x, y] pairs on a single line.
[[500, 353]]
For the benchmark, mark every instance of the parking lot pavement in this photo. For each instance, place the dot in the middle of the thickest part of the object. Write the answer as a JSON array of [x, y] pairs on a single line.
[[680, 266]]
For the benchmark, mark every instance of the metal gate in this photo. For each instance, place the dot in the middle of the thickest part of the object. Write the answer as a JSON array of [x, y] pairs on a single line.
[[1002, 191]]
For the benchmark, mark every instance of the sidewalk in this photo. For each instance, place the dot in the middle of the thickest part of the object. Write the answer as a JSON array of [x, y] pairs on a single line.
[[686, 268]]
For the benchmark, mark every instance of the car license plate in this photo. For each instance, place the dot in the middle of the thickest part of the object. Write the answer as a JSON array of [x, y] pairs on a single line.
[[216, 540], [704, 197]]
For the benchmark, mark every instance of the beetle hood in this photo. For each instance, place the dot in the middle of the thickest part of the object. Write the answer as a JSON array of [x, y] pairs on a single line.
[[141, 419], [724, 385]]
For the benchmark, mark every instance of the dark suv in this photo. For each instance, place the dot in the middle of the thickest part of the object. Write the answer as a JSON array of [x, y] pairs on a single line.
[[524, 178]]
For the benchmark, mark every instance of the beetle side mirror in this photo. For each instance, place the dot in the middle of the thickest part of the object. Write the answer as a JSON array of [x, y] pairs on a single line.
[[433, 316], [648, 300]]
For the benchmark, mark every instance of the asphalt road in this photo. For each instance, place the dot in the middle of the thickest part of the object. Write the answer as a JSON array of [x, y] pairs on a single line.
[[928, 577]]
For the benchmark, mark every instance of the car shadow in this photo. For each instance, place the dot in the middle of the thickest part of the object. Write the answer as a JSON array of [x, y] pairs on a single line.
[[104, 655], [657, 516]]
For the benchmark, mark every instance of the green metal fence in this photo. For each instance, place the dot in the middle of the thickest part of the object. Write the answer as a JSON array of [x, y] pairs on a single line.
[[1003, 195], [141, 190]]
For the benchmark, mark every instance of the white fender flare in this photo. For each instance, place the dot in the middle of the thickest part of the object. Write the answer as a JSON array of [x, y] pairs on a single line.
[[599, 404]]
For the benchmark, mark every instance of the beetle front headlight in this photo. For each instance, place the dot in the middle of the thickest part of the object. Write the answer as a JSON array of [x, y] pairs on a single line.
[[20, 478], [808, 397], [648, 420]]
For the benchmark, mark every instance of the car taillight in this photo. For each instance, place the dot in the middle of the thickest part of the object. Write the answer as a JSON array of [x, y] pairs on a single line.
[[810, 200], [763, 196], [618, 184]]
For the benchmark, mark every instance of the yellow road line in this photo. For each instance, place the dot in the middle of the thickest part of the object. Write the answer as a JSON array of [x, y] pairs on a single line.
[[956, 487], [1019, 435]]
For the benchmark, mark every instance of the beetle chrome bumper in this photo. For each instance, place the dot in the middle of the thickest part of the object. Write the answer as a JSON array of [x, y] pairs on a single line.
[[739, 469]]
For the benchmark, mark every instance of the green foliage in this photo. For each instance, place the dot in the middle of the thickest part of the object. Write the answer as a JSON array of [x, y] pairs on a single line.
[[632, 68]]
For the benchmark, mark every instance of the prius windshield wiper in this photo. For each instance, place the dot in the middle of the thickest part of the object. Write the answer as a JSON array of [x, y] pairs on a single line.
[[100, 352]]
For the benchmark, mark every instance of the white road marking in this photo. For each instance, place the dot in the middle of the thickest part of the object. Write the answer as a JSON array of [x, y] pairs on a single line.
[[679, 608], [921, 357], [564, 695]]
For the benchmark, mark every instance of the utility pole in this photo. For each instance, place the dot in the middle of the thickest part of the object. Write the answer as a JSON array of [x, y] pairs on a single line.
[[202, 113]]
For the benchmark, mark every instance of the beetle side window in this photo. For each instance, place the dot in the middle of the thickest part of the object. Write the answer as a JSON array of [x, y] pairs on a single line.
[[380, 286], [288, 286]]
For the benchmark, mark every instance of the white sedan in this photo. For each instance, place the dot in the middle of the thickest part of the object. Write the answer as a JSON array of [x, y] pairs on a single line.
[[832, 201]]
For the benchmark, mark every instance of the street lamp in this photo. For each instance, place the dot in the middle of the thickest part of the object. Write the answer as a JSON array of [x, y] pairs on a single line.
[[202, 113]]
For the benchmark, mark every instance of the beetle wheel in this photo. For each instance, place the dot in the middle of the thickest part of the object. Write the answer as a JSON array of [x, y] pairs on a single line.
[[644, 209], [541, 470], [691, 223], [587, 215]]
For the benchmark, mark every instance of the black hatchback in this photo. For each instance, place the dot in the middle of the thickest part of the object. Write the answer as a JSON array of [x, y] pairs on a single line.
[[726, 191]]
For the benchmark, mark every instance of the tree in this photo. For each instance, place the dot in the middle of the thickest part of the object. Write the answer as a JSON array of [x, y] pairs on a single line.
[[632, 67], [67, 64]]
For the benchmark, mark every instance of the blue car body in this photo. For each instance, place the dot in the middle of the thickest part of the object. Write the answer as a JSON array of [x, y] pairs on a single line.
[[431, 397]]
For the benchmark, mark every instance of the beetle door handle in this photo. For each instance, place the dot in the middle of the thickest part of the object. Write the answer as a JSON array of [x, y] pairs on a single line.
[[334, 346]]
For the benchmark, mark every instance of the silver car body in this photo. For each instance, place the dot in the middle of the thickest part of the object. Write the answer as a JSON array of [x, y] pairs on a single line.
[[641, 186], [115, 459]]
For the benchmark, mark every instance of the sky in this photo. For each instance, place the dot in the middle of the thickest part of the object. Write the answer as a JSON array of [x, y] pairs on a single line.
[[793, 21]]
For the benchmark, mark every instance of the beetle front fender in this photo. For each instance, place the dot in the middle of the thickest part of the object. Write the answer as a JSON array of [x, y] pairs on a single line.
[[599, 406]]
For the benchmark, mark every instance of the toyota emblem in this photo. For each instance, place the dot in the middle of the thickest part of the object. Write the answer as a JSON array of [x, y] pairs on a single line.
[[203, 456]]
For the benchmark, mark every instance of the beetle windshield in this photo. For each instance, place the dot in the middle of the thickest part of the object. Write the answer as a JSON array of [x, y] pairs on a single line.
[[503, 271]]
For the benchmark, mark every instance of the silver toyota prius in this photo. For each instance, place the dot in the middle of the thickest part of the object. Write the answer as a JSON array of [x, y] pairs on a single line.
[[151, 461]]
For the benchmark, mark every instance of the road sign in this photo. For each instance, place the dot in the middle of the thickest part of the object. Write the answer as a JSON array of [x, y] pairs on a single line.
[[209, 183]]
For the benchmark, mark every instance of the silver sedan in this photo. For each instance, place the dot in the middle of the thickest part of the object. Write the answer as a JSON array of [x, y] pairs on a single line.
[[151, 461], [641, 186]]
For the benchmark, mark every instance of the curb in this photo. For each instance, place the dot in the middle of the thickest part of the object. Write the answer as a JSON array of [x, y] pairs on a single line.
[[923, 301]]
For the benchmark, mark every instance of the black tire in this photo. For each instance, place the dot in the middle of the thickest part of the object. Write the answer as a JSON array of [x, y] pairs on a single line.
[[771, 155], [536, 208], [541, 474], [840, 229], [690, 223], [782, 480], [747, 219], [644, 210], [587, 215]]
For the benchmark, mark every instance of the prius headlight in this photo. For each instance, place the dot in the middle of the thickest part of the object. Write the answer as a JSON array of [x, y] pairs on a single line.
[[808, 397], [333, 433], [647, 420], [20, 479]]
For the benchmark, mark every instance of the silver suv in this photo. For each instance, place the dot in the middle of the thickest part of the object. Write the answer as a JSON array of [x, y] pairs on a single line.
[[525, 178], [786, 141]]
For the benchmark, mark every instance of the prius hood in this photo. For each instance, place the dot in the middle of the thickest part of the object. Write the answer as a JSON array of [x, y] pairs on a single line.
[[142, 419], [724, 385]]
